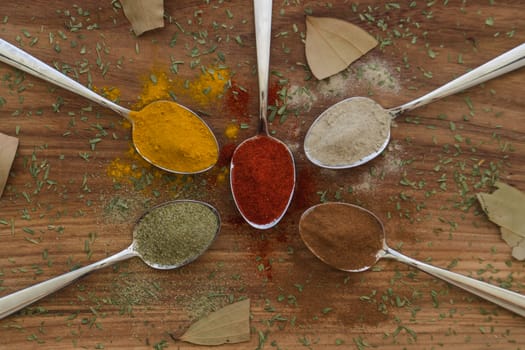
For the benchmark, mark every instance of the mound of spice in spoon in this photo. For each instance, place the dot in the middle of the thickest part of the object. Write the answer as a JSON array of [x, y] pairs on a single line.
[[262, 169], [180, 231], [352, 238], [166, 134], [263, 177], [175, 233], [342, 236], [348, 132], [337, 139]]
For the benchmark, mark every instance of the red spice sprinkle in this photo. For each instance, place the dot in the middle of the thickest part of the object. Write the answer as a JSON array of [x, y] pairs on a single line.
[[262, 179], [273, 93], [225, 154], [237, 101]]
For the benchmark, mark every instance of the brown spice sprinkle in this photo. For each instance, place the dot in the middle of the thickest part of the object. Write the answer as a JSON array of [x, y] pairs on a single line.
[[342, 235]]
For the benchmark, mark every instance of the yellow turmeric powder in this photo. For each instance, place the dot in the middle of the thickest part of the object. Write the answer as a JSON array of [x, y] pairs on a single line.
[[173, 138], [117, 169], [155, 87], [131, 167], [111, 93], [207, 89], [231, 132]]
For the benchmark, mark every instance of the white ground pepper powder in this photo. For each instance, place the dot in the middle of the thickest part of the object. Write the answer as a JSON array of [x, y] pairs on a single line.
[[348, 132]]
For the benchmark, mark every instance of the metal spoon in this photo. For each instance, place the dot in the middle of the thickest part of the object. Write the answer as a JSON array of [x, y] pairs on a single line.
[[333, 248], [263, 24], [22, 298], [341, 113], [20, 59]]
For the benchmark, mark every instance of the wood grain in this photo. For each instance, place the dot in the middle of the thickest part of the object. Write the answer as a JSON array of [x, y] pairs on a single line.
[[61, 209]]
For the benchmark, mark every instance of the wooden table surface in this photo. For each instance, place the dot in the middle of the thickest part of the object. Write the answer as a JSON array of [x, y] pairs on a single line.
[[63, 208]]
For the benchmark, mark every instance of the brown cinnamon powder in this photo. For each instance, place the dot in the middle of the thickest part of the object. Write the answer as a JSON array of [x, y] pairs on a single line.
[[342, 235]]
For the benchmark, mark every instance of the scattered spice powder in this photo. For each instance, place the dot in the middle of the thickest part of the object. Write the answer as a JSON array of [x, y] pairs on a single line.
[[124, 208], [111, 93], [273, 93], [131, 289], [222, 167], [156, 86], [124, 170], [159, 87], [262, 179], [236, 100], [232, 130], [173, 138], [175, 233], [342, 235], [132, 169], [207, 89], [222, 175], [348, 132], [225, 154]]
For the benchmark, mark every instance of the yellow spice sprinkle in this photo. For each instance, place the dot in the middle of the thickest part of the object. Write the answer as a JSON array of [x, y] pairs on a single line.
[[231, 132]]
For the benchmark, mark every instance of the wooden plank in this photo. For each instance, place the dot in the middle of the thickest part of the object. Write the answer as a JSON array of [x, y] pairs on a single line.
[[64, 207]]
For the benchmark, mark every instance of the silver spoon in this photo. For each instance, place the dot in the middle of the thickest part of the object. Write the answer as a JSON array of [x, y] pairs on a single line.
[[258, 192], [330, 231], [13, 56], [329, 144], [22, 298]]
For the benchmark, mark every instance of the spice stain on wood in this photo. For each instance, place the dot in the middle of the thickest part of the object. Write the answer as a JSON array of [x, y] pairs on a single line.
[[237, 101]]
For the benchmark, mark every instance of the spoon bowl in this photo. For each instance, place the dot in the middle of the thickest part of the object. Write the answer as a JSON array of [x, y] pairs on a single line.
[[163, 146], [356, 130], [265, 208], [271, 176], [351, 238], [22, 298], [152, 131]]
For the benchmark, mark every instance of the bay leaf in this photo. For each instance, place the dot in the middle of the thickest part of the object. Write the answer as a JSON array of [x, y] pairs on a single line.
[[8, 146], [333, 44], [511, 238], [505, 207], [144, 15], [230, 324], [518, 252]]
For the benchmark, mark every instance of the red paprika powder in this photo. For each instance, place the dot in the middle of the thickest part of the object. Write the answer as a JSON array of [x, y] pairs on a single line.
[[262, 179], [237, 100]]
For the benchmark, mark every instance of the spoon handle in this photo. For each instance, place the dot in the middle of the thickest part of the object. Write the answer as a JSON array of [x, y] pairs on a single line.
[[263, 31], [505, 298], [22, 298], [500, 65], [13, 56]]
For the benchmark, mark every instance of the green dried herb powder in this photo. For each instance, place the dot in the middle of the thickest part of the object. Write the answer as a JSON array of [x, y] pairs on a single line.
[[175, 233]]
